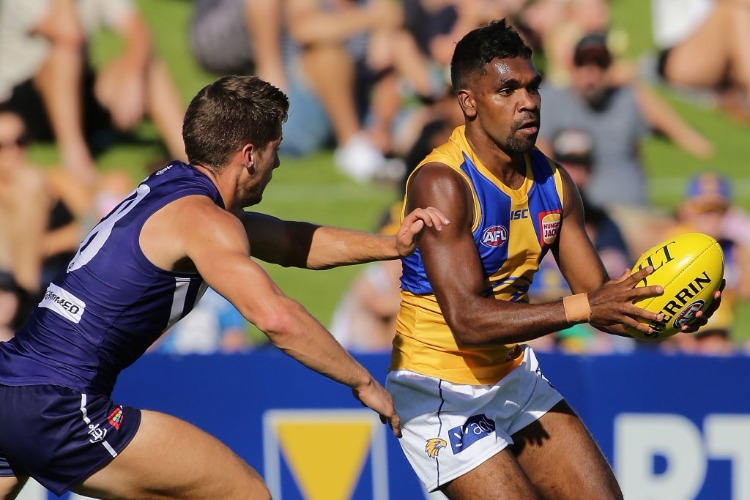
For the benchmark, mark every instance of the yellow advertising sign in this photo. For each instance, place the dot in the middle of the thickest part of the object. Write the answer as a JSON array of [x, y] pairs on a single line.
[[325, 452]]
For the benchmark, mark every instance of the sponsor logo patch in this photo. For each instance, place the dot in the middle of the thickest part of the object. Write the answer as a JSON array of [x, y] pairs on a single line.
[[549, 223], [63, 303], [115, 418], [519, 214], [475, 428], [163, 169], [494, 236]]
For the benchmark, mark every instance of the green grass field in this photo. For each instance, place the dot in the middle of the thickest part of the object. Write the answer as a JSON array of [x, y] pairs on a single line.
[[311, 189]]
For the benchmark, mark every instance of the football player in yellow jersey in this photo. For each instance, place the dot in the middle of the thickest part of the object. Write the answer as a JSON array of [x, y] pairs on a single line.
[[479, 420]]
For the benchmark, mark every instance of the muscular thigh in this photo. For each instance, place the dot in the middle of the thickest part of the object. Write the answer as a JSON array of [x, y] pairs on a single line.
[[499, 478], [562, 460], [172, 458]]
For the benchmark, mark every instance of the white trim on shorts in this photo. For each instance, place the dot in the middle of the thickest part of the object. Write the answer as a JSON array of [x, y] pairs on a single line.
[[449, 429]]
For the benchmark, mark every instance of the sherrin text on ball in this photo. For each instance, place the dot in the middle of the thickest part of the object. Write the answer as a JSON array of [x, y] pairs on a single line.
[[690, 268]]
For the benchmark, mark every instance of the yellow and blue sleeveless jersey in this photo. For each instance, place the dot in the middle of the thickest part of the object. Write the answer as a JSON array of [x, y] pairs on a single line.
[[512, 229]]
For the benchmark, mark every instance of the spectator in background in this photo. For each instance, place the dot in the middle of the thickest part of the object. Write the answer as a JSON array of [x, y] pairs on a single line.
[[555, 26], [705, 45], [240, 37], [618, 117], [43, 212], [13, 306], [433, 27], [47, 76], [338, 61], [24, 206], [573, 149], [213, 326], [436, 25], [341, 55], [707, 200]]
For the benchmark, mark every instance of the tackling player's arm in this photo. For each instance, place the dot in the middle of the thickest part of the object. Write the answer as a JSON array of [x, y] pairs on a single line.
[[459, 287], [220, 251], [302, 244]]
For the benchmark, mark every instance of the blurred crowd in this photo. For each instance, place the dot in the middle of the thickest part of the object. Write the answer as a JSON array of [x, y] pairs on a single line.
[[369, 80]]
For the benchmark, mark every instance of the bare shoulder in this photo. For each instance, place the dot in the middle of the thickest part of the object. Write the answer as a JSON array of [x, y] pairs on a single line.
[[440, 186], [189, 228], [436, 182]]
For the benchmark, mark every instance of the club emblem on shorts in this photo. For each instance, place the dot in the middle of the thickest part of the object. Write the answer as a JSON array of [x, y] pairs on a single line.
[[475, 428], [115, 418], [433, 446], [97, 433]]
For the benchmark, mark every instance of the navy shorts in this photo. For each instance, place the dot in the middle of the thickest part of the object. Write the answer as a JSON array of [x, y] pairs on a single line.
[[60, 436]]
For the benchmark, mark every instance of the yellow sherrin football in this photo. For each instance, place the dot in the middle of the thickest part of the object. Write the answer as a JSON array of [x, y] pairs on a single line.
[[690, 267]]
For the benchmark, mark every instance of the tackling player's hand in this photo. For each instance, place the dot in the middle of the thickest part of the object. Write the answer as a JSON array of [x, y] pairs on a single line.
[[374, 396], [411, 228]]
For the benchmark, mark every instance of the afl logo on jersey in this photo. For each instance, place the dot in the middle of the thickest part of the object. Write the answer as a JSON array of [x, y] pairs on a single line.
[[494, 236]]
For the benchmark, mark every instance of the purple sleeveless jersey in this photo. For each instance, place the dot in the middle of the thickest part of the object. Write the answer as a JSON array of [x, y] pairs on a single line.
[[111, 304]]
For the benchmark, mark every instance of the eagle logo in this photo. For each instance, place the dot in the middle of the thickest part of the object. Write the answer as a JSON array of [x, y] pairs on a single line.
[[433, 446]]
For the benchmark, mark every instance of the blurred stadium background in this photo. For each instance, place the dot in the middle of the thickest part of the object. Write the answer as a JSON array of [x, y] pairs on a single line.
[[695, 405], [311, 189]]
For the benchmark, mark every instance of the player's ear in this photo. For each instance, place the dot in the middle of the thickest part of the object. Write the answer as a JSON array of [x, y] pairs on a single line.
[[467, 103], [247, 158]]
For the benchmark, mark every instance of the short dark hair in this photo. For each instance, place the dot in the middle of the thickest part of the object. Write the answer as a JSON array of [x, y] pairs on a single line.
[[228, 113], [481, 45]]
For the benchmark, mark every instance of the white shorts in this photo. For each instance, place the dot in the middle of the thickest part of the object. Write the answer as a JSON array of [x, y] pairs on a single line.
[[449, 429]]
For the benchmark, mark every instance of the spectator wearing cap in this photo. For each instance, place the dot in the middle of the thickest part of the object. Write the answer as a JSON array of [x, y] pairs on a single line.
[[573, 149], [618, 117], [704, 206]]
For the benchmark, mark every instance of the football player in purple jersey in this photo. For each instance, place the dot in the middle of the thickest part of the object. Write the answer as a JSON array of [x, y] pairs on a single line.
[[141, 269]]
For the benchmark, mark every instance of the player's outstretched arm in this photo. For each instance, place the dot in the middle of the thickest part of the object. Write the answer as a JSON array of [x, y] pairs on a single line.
[[306, 245], [219, 249]]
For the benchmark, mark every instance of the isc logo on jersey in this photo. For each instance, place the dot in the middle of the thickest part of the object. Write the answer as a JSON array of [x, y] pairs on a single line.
[[494, 236]]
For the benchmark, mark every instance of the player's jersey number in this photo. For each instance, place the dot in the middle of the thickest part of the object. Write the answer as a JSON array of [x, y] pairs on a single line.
[[98, 236]]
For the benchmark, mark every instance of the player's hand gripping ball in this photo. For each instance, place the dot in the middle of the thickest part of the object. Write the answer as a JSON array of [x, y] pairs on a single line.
[[690, 267]]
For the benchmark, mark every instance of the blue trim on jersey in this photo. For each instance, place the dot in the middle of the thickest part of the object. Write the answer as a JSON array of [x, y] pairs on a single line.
[[547, 200], [495, 212]]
